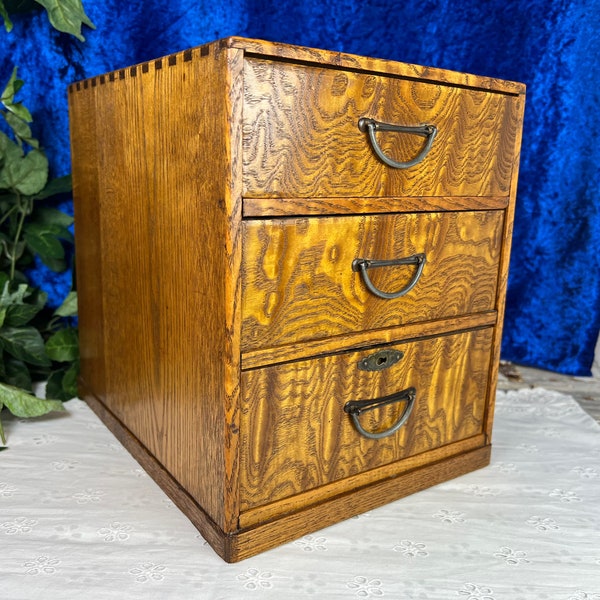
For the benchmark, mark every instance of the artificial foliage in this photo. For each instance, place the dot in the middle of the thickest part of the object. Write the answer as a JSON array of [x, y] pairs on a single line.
[[37, 343]]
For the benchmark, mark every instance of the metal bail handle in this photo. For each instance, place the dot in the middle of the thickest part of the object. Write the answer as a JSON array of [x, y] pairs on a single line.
[[356, 407], [362, 264], [370, 126]]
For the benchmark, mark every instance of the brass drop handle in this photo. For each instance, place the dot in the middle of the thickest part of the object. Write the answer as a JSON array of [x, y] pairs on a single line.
[[370, 126], [361, 265], [356, 407]]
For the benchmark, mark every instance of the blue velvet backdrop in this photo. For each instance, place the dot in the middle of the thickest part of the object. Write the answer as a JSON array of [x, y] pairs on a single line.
[[553, 307]]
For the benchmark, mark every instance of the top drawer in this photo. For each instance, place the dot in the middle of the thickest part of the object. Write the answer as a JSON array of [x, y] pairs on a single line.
[[301, 137]]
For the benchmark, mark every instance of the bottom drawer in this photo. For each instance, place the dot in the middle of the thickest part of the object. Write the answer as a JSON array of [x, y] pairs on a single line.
[[295, 434]]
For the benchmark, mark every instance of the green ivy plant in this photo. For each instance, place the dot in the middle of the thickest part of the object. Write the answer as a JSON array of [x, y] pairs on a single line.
[[36, 343], [64, 15]]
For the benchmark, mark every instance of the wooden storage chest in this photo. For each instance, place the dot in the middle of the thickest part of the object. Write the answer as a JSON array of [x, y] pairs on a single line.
[[291, 266]]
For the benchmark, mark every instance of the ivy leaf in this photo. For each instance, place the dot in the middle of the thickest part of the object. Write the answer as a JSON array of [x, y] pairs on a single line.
[[67, 16], [60, 185], [42, 239], [17, 374], [20, 314], [21, 130], [63, 346], [8, 98], [62, 383], [58, 265], [69, 307], [69, 382], [4, 14], [24, 405], [7, 298], [26, 174], [9, 152], [26, 344], [14, 310], [55, 220]]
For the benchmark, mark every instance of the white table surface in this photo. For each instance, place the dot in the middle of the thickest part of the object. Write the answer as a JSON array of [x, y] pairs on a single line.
[[79, 518]]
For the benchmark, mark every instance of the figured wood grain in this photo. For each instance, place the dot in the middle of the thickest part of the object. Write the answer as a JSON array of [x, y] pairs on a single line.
[[299, 283], [295, 435], [301, 139], [312, 518], [326, 58], [170, 316], [504, 268], [364, 339], [283, 207], [192, 174], [324, 493]]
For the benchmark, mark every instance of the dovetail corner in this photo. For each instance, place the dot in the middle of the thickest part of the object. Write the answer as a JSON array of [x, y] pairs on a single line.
[[145, 67], [122, 74], [85, 84], [93, 82], [172, 60], [111, 76], [132, 71], [205, 50], [102, 79], [79, 86], [70, 88], [158, 64], [187, 56]]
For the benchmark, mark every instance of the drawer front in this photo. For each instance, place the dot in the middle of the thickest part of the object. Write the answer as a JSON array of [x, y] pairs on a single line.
[[301, 137], [299, 282], [295, 435]]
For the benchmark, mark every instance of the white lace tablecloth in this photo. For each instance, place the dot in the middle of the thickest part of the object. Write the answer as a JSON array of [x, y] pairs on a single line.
[[80, 519]]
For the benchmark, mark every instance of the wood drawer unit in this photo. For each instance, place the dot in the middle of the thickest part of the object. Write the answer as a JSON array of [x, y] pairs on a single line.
[[300, 283], [300, 134], [296, 436], [292, 266]]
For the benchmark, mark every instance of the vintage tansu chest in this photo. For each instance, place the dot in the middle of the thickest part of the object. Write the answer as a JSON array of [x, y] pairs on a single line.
[[291, 266]]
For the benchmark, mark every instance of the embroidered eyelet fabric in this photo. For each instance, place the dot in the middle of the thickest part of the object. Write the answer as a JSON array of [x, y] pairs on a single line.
[[79, 518]]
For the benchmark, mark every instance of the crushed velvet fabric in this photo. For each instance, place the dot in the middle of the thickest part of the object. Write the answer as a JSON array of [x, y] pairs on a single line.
[[553, 304]]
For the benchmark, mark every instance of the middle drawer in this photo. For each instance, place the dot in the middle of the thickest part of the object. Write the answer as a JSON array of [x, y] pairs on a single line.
[[302, 281]]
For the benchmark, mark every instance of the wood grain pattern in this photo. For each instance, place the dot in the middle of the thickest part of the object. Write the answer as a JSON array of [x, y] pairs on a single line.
[[299, 284], [312, 518], [364, 339], [84, 141], [301, 137], [295, 519], [304, 55], [169, 314], [504, 267], [232, 259], [285, 207], [295, 435], [221, 195], [211, 532], [324, 493]]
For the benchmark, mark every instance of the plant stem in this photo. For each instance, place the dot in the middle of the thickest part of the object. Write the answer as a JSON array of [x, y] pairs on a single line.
[[13, 257], [10, 212]]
